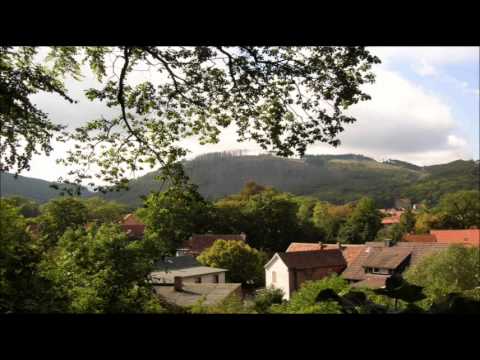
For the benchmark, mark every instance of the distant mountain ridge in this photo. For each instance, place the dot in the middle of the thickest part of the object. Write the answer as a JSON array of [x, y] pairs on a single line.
[[334, 178], [36, 189]]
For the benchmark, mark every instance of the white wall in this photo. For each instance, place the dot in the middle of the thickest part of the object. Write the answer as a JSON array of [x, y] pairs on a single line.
[[283, 277], [206, 279]]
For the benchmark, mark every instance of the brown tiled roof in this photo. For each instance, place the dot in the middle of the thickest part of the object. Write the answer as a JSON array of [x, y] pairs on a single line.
[[132, 225], [131, 219], [387, 258], [198, 243], [313, 259], [420, 250], [294, 246], [134, 230], [355, 271], [349, 251], [469, 237], [424, 238]]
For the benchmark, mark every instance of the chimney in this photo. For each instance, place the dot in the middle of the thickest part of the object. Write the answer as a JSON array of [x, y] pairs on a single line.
[[388, 243], [322, 245], [339, 244], [177, 283]]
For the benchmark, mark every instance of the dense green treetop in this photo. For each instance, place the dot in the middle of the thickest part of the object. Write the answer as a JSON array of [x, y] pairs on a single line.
[[60, 214], [244, 264], [173, 215], [102, 271], [363, 223], [453, 270]]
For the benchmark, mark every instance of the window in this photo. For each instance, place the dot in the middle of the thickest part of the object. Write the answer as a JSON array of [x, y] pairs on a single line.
[[215, 279], [198, 280], [380, 271], [274, 277]]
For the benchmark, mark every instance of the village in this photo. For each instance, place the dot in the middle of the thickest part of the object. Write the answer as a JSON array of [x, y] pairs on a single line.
[[181, 280], [239, 180]]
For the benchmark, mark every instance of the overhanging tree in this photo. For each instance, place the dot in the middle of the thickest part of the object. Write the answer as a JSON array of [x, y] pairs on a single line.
[[283, 98]]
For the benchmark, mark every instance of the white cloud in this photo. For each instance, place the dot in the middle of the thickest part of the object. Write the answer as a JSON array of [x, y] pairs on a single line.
[[402, 121], [432, 55], [425, 69], [455, 141]]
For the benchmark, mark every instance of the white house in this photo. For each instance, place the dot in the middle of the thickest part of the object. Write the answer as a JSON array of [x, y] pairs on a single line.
[[287, 271], [277, 275]]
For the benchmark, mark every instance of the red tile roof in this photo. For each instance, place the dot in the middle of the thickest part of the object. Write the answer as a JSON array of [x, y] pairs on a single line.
[[392, 216], [131, 219], [132, 225], [313, 259], [469, 237], [198, 243], [423, 238]]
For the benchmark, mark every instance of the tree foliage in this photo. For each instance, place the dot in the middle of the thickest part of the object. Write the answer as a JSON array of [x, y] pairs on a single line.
[[20, 286], [173, 215], [363, 223], [329, 219], [304, 301], [459, 210], [269, 218], [451, 271], [28, 208], [103, 211], [244, 264], [265, 298], [60, 214], [101, 271]]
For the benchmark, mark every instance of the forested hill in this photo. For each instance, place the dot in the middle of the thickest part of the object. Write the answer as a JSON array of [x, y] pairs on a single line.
[[36, 189], [335, 178]]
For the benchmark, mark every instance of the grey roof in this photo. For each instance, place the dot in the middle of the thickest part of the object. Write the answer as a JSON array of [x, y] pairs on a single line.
[[192, 293], [168, 276]]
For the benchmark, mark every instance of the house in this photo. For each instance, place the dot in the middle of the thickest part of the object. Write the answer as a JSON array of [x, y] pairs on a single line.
[[391, 216], [199, 242], [186, 268], [467, 237], [349, 251], [419, 238], [187, 294], [380, 260], [133, 226], [287, 271]]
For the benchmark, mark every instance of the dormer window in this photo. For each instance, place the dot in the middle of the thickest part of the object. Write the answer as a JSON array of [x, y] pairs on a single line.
[[381, 271]]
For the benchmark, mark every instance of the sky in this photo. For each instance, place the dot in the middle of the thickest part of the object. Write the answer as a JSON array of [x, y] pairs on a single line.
[[424, 110]]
